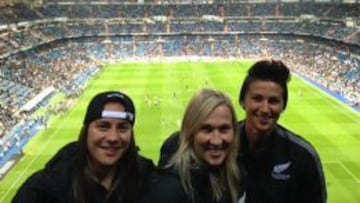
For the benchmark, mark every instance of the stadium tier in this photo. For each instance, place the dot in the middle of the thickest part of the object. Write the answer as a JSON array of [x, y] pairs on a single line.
[[50, 49]]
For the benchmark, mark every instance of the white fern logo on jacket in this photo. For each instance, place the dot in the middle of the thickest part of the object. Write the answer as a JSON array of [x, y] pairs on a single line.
[[279, 171]]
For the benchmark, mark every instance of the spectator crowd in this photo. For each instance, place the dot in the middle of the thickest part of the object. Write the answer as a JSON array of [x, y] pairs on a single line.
[[61, 46]]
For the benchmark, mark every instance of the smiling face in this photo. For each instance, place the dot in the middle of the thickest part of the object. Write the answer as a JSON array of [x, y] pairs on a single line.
[[108, 139], [263, 104], [216, 134]]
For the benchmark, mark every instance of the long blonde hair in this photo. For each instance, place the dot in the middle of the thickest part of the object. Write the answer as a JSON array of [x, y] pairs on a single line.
[[198, 109]]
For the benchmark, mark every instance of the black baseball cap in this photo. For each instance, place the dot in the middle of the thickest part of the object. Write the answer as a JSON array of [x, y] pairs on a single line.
[[95, 109]]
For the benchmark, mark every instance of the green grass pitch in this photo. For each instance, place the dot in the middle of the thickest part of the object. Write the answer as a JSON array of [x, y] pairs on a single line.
[[330, 126]]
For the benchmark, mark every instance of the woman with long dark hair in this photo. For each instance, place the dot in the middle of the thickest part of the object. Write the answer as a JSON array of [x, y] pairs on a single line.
[[102, 166]]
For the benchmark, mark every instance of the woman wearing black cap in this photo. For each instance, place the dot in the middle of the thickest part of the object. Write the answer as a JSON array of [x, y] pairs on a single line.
[[103, 166]]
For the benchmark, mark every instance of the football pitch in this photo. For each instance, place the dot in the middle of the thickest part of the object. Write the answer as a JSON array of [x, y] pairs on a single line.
[[161, 92]]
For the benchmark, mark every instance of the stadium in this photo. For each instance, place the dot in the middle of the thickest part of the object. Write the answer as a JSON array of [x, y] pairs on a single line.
[[56, 54]]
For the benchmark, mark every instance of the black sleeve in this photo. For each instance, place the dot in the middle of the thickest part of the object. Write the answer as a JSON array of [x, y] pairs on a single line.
[[313, 184], [168, 148], [163, 188], [146, 168], [27, 193]]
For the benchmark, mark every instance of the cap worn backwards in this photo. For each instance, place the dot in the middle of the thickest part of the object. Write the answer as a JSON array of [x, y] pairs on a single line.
[[95, 109]]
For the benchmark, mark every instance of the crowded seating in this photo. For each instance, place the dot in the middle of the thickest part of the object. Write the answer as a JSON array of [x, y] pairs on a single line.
[[63, 43]]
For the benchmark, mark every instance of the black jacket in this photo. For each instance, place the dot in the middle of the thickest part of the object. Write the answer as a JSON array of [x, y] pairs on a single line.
[[53, 184], [164, 186], [287, 171]]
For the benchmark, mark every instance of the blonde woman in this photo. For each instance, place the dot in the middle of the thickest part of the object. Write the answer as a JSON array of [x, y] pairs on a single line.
[[204, 168], [281, 166]]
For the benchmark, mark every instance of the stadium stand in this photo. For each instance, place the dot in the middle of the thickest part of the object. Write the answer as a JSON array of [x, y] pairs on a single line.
[[60, 44]]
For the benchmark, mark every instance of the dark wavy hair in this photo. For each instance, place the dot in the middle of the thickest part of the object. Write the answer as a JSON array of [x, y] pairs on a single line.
[[130, 171], [267, 70]]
